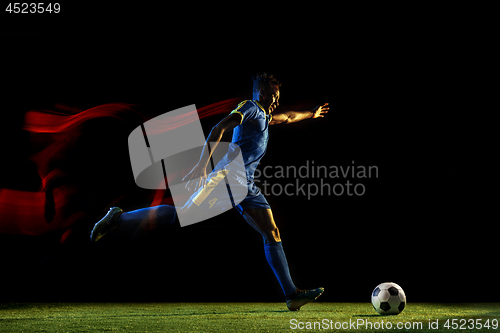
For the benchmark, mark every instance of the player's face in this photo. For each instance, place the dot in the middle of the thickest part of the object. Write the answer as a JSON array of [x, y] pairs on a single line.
[[270, 98]]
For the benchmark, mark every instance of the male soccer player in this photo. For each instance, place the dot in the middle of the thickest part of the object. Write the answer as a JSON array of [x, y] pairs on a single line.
[[249, 122]]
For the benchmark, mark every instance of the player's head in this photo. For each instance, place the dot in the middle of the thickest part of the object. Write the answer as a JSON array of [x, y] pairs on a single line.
[[266, 90]]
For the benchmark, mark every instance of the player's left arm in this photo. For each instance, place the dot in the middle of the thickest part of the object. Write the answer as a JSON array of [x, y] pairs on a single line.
[[289, 117]]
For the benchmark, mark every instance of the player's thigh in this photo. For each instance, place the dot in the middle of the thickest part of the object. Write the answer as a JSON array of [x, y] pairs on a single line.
[[208, 201], [263, 221]]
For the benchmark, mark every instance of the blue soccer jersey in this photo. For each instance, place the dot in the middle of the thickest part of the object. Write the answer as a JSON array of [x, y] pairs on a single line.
[[237, 166], [252, 136]]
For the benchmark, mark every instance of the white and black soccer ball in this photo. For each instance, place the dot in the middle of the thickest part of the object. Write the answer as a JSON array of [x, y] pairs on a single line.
[[388, 299]]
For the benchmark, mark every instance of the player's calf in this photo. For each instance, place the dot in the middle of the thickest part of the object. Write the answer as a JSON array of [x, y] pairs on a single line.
[[148, 218]]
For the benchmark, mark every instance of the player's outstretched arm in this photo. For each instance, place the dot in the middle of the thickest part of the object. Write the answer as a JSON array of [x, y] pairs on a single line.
[[197, 177], [289, 117]]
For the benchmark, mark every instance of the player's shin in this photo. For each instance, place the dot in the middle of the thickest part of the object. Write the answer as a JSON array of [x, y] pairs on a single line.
[[277, 260], [149, 218]]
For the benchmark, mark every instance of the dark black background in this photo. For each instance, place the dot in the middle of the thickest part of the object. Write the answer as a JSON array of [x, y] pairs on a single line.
[[397, 101]]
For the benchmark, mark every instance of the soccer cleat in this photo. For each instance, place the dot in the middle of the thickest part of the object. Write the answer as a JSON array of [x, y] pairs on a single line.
[[302, 297], [106, 224]]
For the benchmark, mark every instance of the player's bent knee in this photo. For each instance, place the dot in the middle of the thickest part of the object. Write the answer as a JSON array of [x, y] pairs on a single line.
[[276, 235], [272, 236]]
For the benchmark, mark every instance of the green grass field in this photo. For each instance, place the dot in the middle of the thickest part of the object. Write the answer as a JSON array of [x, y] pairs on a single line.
[[241, 317]]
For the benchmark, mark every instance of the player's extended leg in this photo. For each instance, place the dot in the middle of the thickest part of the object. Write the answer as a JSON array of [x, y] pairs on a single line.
[[200, 202], [147, 218], [262, 220]]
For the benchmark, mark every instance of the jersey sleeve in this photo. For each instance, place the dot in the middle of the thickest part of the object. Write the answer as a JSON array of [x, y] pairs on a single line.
[[247, 110]]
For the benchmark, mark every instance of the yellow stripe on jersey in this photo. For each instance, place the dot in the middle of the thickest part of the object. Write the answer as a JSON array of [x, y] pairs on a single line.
[[239, 107], [242, 116], [235, 111], [241, 104]]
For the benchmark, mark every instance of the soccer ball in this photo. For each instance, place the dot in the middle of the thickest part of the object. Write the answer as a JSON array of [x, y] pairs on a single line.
[[388, 299]]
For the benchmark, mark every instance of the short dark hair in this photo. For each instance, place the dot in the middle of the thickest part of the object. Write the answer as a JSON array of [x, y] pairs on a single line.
[[263, 81]]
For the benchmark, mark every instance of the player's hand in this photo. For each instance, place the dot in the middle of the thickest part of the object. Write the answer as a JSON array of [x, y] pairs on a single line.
[[196, 178], [320, 111]]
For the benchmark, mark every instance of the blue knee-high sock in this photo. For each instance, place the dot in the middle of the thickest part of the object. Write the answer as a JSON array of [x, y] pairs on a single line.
[[277, 260], [149, 218]]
